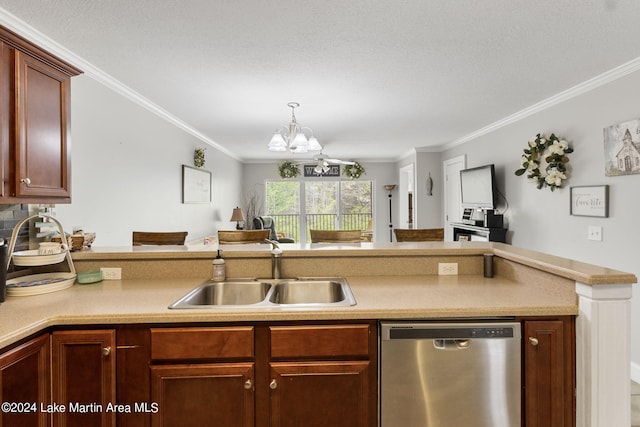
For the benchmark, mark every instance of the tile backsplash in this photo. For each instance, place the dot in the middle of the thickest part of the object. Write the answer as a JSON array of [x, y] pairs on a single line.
[[10, 215]]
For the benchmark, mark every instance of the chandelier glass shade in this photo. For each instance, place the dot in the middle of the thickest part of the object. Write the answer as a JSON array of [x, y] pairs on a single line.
[[294, 137]]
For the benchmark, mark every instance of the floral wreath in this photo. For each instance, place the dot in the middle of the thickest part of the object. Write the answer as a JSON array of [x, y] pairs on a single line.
[[288, 169], [553, 151], [354, 171]]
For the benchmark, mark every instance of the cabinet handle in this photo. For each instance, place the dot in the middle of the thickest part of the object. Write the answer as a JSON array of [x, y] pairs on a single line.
[[26, 181], [533, 341], [247, 384], [127, 347], [106, 351], [273, 384]]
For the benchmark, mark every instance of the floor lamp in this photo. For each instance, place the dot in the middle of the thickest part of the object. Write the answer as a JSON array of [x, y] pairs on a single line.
[[389, 188]]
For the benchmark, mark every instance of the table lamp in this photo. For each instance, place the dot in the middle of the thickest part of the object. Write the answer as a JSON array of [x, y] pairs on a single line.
[[237, 216]]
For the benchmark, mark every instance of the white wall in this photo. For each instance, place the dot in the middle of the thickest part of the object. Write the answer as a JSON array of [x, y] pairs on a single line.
[[127, 171], [255, 175], [428, 208], [539, 219]]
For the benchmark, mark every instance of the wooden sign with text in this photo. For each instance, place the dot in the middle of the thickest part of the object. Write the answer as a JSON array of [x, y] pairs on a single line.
[[334, 170]]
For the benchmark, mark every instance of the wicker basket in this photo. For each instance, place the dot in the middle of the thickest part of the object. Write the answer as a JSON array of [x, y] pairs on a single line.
[[77, 242]]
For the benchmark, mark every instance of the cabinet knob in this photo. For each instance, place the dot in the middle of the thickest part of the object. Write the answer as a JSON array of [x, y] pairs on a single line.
[[26, 181], [273, 384], [106, 351], [247, 384], [533, 341]]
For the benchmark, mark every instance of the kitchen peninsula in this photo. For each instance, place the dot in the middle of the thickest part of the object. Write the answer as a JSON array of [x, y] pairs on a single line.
[[389, 281]]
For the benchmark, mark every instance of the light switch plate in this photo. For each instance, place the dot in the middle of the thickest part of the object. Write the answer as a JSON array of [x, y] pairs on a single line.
[[594, 233]]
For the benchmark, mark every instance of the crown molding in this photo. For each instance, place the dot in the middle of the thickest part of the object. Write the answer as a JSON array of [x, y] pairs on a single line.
[[582, 88], [23, 29]]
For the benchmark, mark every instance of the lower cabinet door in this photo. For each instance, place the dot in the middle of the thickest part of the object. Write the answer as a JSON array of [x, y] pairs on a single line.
[[321, 394], [83, 372], [24, 384], [218, 394], [549, 377]]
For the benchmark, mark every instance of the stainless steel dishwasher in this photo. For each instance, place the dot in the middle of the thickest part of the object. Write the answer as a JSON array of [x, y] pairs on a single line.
[[450, 374]]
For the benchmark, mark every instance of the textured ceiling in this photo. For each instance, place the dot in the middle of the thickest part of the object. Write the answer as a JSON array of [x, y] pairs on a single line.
[[374, 78]]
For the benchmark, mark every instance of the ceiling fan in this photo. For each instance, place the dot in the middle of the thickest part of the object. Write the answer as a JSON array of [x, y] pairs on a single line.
[[323, 162]]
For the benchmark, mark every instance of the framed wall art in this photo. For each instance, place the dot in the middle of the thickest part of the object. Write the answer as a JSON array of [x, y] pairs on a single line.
[[196, 185], [590, 200], [622, 148]]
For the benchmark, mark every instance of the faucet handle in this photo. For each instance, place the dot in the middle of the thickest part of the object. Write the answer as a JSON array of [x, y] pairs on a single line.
[[275, 248], [274, 244]]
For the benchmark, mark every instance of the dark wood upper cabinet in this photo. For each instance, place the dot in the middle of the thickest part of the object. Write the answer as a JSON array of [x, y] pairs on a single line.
[[35, 150]]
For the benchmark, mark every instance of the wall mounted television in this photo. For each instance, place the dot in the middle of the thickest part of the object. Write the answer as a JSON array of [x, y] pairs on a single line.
[[478, 187]]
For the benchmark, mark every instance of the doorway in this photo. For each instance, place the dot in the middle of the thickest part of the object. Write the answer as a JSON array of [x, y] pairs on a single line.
[[406, 188], [452, 201]]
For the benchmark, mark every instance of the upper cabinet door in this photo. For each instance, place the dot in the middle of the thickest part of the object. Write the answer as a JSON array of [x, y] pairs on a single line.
[[43, 155]]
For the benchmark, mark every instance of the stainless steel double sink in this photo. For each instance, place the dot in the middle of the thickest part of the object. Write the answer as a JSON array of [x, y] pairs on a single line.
[[303, 292]]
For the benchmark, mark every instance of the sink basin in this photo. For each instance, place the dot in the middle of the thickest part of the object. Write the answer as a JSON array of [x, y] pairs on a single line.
[[224, 294], [269, 293], [309, 292]]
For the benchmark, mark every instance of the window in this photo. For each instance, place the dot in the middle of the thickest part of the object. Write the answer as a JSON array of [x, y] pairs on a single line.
[[283, 204], [328, 205]]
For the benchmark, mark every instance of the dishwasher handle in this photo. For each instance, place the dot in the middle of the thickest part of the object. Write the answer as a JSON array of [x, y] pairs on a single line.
[[441, 344]]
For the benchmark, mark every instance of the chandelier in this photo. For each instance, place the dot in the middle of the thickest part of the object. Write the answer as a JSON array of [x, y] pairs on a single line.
[[293, 137]]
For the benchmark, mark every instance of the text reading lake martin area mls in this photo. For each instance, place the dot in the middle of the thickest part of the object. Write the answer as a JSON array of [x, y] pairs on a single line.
[[81, 408]]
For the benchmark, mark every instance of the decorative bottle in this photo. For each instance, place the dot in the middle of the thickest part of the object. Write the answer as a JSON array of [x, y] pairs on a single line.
[[219, 269]]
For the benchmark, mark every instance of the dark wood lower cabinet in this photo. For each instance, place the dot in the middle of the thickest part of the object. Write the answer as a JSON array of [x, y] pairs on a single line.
[[25, 384], [262, 375], [265, 375], [320, 394], [83, 376], [219, 394], [549, 372]]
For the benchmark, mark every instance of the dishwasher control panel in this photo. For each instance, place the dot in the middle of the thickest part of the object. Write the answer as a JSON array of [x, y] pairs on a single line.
[[491, 333], [409, 332]]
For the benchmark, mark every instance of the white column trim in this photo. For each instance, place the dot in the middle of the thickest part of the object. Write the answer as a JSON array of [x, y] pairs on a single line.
[[603, 355]]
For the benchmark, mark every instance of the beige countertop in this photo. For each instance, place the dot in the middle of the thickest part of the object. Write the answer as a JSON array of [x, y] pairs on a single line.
[[389, 297], [389, 281]]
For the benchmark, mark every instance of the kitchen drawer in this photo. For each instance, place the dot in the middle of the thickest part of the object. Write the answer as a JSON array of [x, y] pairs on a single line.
[[202, 343], [319, 342]]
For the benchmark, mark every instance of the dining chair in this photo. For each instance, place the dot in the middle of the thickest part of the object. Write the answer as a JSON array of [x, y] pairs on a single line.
[[140, 238], [335, 236], [242, 236], [367, 233], [419, 234], [268, 223]]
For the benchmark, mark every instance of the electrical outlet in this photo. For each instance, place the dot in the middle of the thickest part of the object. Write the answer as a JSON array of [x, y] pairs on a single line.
[[112, 273], [447, 268], [594, 233]]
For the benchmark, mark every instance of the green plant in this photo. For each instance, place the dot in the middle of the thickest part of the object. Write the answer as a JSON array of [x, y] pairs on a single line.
[[198, 157]]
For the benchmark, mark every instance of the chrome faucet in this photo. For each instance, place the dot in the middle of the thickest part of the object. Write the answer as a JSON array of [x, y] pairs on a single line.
[[276, 259]]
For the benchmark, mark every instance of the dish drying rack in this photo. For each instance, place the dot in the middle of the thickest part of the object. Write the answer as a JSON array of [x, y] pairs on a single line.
[[35, 284]]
